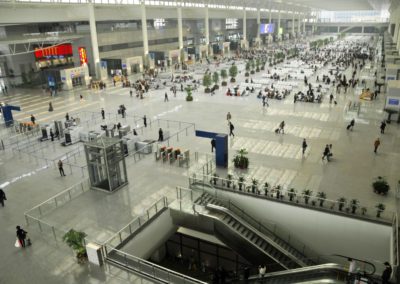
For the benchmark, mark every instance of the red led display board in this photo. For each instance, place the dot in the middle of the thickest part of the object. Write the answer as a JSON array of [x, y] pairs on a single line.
[[82, 55], [62, 49]]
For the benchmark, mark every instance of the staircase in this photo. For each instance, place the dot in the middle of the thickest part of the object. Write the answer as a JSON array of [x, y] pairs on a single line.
[[264, 240]]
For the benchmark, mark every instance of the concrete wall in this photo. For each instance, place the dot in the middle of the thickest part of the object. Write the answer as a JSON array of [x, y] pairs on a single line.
[[326, 234], [152, 236]]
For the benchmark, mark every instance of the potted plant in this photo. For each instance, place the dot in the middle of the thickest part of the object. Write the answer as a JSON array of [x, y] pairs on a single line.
[[240, 160], [76, 241], [252, 67], [380, 185], [354, 205], [189, 96], [278, 192], [241, 183], [266, 188], [247, 74], [224, 75], [254, 183], [262, 65], [215, 78], [363, 210], [229, 180], [233, 73], [380, 208], [258, 65], [342, 202], [307, 195], [207, 82], [291, 194], [215, 178], [321, 198]]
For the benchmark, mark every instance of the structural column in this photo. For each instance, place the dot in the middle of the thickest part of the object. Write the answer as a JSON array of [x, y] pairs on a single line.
[[244, 24], [206, 26], [270, 16], [396, 30], [258, 25], [304, 23], [144, 30], [279, 23], [292, 22], [93, 37], [180, 32], [298, 23]]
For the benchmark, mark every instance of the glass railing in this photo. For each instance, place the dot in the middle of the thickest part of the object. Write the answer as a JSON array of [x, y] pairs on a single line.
[[57, 200], [148, 268], [128, 230], [395, 240], [287, 196]]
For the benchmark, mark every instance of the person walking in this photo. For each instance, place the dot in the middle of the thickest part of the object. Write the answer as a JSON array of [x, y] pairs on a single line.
[[33, 119], [21, 236], [262, 269], [383, 126], [282, 127], [67, 117], [351, 125], [326, 153], [304, 145], [51, 107], [228, 116], [352, 270], [51, 134], [103, 114], [330, 98], [131, 92], [386, 273], [60, 168], [2, 197], [376, 145], [166, 97], [160, 135], [145, 121], [231, 128], [212, 145]]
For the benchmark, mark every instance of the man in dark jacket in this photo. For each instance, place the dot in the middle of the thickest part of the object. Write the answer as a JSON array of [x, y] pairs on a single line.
[[386, 273], [2, 197], [21, 235]]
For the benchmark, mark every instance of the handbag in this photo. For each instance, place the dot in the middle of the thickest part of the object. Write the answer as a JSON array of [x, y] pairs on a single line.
[[17, 243]]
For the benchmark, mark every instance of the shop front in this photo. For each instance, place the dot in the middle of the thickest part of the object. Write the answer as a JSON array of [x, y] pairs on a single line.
[[203, 51], [174, 56], [132, 65], [74, 77]]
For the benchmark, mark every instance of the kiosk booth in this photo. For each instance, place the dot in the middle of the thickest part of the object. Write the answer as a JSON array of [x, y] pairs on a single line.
[[226, 48], [174, 56], [392, 104], [203, 51], [392, 72], [72, 77], [132, 65]]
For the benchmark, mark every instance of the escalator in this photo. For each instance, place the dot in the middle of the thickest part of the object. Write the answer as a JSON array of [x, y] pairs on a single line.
[[269, 247]]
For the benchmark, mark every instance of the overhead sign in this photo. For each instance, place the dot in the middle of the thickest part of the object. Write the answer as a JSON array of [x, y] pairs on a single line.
[[82, 55]]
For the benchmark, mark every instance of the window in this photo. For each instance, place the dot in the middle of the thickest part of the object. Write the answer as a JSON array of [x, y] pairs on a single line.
[[231, 24], [159, 23]]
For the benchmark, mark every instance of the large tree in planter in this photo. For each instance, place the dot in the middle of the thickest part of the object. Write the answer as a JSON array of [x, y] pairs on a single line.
[[253, 65], [76, 241], [189, 96], [247, 74], [224, 75], [215, 79], [207, 82], [380, 185], [233, 73], [257, 65]]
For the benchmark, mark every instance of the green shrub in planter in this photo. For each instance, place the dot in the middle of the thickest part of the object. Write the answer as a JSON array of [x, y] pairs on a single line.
[[291, 194], [207, 82], [266, 188], [321, 198], [341, 201], [240, 160], [307, 195], [76, 241], [224, 75], [379, 209], [380, 185], [241, 183], [233, 73], [189, 96], [354, 205], [215, 78]]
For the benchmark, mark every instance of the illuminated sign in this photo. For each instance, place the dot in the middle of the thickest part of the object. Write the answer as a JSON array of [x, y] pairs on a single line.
[[82, 55], [53, 51], [267, 28]]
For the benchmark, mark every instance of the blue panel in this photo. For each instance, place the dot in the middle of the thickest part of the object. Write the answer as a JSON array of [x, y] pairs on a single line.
[[7, 113], [221, 150], [206, 134]]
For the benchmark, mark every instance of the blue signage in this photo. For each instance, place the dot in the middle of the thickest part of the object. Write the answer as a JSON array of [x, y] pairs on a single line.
[[394, 102]]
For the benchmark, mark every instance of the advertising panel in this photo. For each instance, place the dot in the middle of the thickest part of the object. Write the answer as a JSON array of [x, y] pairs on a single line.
[[267, 28]]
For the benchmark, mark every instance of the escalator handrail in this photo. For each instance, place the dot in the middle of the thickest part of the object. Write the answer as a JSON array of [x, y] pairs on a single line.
[[260, 234], [326, 267], [360, 260], [218, 219]]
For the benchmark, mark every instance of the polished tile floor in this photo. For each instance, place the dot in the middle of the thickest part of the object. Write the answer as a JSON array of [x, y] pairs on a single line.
[[275, 158]]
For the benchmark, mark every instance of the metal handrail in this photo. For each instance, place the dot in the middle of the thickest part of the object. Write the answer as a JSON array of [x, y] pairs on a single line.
[[359, 260], [57, 195], [311, 198], [139, 260], [165, 204]]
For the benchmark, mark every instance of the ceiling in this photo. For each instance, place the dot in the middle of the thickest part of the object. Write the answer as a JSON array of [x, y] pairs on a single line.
[[330, 5]]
